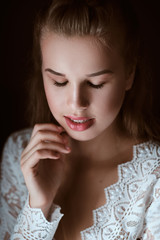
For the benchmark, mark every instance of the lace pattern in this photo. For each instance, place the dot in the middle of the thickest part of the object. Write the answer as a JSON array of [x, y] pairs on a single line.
[[31, 223], [13, 188], [131, 212], [123, 215]]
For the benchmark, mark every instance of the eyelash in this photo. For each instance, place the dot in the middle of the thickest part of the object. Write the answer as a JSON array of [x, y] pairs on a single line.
[[99, 86], [57, 84]]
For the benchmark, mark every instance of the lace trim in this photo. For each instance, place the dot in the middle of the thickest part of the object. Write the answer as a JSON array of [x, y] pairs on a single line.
[[13, 189], [32, 224], [132, 204], [135, 178]]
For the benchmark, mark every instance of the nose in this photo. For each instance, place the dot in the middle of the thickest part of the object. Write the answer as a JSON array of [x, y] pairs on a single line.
[[78, 99]]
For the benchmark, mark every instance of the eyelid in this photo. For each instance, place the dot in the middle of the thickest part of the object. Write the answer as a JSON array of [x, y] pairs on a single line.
[[58, 84], [57, 80], [62, 84], [97, 86]]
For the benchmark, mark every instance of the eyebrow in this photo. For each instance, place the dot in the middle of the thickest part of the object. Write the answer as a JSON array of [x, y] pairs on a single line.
[[54, 72], [105, 71]]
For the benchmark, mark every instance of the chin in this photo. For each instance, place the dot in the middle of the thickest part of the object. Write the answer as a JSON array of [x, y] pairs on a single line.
[[86, 135]]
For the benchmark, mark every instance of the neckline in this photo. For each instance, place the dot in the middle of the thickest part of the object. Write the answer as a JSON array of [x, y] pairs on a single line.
[[137, 150]]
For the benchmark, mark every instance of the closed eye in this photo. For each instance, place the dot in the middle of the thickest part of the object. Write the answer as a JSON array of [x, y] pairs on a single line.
[[57, 84], [97, 86]]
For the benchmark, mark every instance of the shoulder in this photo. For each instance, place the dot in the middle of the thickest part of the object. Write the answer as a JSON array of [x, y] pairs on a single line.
[[150, 149], [17, 140], [20, 138], [13, 188], [11, 174], [147, 156], [14, 146]]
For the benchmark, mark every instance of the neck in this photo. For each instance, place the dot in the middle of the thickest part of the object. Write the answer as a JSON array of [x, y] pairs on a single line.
[[103, 148]]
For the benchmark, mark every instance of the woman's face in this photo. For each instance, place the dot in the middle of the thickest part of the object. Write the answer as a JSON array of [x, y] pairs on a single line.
[[84, 82]]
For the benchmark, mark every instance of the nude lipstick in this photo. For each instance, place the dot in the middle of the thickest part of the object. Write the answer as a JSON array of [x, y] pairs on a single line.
[[79, 123]]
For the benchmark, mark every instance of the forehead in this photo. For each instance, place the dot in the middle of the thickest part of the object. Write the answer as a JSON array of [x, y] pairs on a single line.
[[82, 50], [71, 54], [56, 43]]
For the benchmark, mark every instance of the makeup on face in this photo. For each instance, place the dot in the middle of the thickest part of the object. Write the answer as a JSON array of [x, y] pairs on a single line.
[[84, 84], [79, 123]]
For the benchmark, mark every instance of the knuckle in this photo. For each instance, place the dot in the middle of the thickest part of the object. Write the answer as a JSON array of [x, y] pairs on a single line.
[[41, 145], [59, 138], [37, 126], [35, 129], [40, 135], [23, 167], [38, 153]]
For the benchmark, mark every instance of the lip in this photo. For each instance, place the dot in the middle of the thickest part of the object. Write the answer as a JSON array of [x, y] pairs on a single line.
[[77, 118], [79, 126]]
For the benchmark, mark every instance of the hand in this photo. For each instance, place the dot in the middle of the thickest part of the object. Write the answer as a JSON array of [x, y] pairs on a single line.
[[42, 164]]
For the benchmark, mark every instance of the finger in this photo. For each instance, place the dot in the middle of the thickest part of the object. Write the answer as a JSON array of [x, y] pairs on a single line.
[[46, 126], [56, 147], [66, 137], [29, 164], [43, 136]]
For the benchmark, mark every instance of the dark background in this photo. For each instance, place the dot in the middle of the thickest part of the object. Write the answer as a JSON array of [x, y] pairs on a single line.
[[17, 17]]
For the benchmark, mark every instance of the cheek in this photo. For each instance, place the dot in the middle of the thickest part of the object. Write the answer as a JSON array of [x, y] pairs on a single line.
[[112, 100], [117, 97], [54, 99]]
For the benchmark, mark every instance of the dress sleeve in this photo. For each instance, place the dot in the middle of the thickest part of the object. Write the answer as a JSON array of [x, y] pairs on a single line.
[[152, 218], [32, 225], [18, 220]]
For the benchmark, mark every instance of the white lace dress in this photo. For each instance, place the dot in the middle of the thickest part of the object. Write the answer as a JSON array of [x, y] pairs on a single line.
[[132, 209]]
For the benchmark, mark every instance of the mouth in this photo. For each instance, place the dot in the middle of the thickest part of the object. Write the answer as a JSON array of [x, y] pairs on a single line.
[[79, 123]]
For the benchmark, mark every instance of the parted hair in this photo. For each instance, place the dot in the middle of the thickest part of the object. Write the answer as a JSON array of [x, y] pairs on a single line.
[[96, 18]]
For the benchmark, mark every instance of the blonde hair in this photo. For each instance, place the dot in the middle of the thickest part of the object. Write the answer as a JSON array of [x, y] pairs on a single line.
[[96, 18]]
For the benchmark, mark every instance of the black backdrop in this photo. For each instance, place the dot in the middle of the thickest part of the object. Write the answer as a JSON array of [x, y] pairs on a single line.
[[17, 18]]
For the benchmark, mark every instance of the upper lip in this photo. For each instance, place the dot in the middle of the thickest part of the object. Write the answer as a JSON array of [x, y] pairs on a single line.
[[78, 118]]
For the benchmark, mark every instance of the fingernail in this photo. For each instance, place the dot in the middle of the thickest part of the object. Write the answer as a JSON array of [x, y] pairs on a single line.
[[65, 141], [60, 129], [57, 155], [67, 148]]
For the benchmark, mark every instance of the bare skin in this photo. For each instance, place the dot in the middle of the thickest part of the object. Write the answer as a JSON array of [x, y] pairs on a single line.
[[42, 165], [75, 178], [54, 173], [86, 192]]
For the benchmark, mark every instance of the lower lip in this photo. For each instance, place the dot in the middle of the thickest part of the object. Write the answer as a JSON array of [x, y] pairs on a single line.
[[79, 126]]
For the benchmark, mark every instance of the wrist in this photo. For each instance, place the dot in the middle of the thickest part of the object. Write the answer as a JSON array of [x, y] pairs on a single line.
[[44, 206]]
